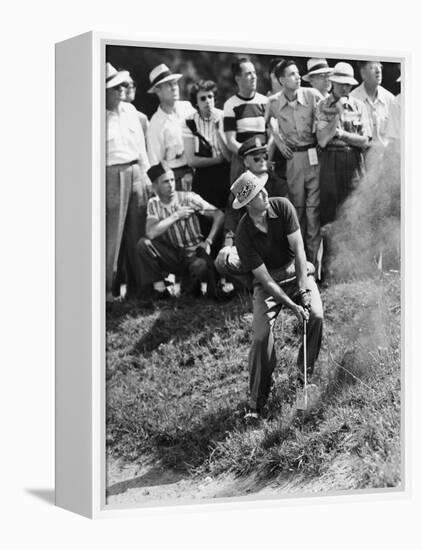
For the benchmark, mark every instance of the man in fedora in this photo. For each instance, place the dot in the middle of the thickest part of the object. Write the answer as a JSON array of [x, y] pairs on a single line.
[[343, 132], [127, 185], [378, 100], [174, 242], [294, 109], [165, 135], [318, 72], [270, 247]]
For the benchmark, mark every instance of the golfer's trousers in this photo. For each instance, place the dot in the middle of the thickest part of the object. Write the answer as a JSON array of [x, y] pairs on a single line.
[[262, 356]]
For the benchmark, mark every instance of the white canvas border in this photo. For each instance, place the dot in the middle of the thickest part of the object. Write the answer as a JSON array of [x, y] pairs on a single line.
[[99, 508]]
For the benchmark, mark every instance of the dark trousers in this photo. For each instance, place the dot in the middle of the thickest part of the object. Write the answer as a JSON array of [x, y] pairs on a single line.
[[340, 171], [158, 258], [262, 356]]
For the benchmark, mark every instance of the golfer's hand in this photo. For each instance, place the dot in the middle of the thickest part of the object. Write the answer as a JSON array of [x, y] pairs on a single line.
[[305, 300], [184, 212], [301, 313]]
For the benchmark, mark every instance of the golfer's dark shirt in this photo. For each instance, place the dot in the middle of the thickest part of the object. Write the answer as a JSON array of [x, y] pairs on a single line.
[[272, 248]]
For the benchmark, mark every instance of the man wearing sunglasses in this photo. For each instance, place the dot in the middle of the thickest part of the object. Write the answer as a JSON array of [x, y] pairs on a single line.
[[126, 187], [254, 154]]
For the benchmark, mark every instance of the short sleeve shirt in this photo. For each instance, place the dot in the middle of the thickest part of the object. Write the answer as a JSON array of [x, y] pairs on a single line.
[[378, 111], [272, 248], [183, 233], [165, 135], [245, 116], [125, 137], [296, 119], [354, 118]]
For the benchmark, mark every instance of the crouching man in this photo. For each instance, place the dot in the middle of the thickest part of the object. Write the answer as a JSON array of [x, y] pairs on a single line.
[[174, 243], [270, 246]]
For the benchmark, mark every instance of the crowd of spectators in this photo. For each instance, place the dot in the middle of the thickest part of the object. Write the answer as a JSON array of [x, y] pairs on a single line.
[[172, 182]]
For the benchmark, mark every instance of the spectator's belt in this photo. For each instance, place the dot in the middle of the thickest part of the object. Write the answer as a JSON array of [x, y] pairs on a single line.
[[299, 148], [345, 148], [127, 163]]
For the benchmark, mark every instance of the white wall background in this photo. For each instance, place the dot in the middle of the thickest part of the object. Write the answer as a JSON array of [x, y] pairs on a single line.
[[28, 33]]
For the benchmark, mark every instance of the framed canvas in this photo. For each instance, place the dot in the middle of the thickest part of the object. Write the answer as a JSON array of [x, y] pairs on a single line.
[[182, 389]]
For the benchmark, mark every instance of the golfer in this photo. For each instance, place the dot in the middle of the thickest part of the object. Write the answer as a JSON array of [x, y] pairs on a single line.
[[270, 246]]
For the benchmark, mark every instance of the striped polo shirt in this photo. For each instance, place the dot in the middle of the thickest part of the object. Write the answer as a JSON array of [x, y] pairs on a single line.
[[245, 116], [183, 233]]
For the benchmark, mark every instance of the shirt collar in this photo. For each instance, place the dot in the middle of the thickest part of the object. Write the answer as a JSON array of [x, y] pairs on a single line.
[[300, 98], [271, 214], [167, 115], [380, 94]]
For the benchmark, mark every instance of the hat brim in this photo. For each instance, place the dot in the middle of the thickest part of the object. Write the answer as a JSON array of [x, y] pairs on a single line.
[[326, 70], [343, 80], [119, 78], [260, 149], [175, 76], [263, 179]]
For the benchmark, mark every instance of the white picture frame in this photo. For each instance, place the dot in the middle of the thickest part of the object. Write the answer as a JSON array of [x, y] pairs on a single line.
[[80, 279]]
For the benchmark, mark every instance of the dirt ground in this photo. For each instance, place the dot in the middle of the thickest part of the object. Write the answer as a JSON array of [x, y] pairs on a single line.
[[150, 484]]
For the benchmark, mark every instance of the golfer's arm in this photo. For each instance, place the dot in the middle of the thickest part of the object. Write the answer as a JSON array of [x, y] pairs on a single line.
[[296, 243], [262, 275]]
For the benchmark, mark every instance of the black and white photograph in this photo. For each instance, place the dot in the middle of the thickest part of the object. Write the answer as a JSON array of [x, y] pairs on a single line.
[[253, 251]]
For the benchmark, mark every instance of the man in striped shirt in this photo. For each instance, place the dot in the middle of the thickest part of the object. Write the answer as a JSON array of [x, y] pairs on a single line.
[[244, 112], [174, 243]]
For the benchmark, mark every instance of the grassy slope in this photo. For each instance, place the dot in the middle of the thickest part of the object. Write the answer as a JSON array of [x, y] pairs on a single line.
[[177, 387]]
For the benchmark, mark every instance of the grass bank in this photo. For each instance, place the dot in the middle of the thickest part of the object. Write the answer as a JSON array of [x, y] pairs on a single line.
[[177, 388]]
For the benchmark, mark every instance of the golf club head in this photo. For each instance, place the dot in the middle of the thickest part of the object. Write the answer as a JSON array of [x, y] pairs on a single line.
[[307, 397]]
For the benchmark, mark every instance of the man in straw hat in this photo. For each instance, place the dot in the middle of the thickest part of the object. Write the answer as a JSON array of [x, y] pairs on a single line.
[[318, 72], [127, 185], [343, 132], [270, 247], [174, 243], [255, 155], [165, 135], [378, 100]]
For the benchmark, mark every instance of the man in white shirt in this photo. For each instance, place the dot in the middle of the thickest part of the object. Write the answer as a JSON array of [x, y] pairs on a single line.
[[377, 100], [165, 136], [127, 185]]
